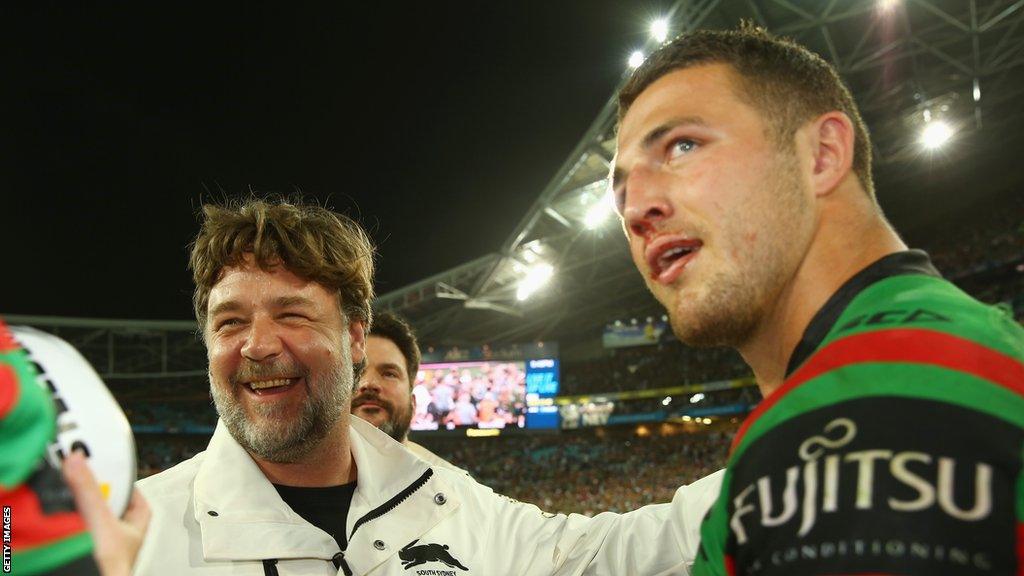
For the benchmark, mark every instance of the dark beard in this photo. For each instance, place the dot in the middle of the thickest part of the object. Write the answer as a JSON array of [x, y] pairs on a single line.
[[395, 427], [397, 424]]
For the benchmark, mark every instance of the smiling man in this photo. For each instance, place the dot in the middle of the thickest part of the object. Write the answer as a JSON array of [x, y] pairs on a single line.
[[384, 395], [292, 484], [743, 178]]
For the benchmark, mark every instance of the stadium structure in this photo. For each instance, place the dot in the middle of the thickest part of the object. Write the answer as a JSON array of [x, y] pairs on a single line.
[[922, 71]]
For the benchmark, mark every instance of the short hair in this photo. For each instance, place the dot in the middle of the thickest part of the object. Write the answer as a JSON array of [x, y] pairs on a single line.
[[310, 241], [787, 82], [394, 328]]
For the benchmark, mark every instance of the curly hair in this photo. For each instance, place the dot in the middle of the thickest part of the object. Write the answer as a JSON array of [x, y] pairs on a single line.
[[310, 241]]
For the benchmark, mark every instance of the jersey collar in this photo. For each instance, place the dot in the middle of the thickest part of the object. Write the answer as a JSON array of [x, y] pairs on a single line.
[[897, 264]]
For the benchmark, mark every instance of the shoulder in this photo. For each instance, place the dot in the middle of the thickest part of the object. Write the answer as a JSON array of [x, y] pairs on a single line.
[[922, 305], [173, 483]]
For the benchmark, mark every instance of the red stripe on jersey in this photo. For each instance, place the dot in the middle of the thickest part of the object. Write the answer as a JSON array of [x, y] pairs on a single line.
[[7, 343], [912, 345], [730, 565], [8, 389], [34, 528], [1020, 549]]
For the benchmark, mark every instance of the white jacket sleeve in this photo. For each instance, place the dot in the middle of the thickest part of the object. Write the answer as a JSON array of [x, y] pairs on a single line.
[[659, 539]]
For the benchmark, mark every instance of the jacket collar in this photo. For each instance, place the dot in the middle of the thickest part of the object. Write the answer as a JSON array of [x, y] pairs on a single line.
[[252, 522]]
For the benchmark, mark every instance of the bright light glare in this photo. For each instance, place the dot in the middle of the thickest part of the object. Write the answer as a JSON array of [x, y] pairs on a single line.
[[977, 91], [536, 277], [597, 214], [696, 398], [659, 29], [887, 5], [636, 59], [935, 134], [707, 420], [666, 401]]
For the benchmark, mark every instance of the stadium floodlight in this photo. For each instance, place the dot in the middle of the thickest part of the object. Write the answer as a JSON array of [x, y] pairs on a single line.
[[666, 401], [597, 214], [935, 134], [696, 398], [636, 59], [659, 29], [536, 277]]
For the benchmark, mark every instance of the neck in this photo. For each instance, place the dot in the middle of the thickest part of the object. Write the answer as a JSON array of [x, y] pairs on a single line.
[[846, 242], [330, 463]]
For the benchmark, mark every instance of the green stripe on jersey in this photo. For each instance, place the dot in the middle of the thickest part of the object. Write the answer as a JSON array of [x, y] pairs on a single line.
[[50, 556], [915, 301], [874, 379]]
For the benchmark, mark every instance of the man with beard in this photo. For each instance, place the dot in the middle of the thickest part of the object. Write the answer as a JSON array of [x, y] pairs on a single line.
[[384, 394], [743, 178], [292, 484]]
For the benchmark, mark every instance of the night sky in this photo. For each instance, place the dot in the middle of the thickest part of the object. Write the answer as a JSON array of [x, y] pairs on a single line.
[[434, 124]]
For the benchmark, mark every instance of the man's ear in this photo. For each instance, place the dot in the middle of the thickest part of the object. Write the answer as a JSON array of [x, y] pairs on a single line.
[[831, 138], [357, 340]]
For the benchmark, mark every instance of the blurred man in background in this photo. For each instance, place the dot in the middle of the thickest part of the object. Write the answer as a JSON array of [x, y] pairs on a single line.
[[384, 392]]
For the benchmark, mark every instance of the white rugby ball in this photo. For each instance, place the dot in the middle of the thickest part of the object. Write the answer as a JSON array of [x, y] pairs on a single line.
[[88, 416]]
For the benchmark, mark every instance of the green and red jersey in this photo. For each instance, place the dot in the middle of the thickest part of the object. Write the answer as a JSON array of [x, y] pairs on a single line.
[[895, 445], [46, 535]]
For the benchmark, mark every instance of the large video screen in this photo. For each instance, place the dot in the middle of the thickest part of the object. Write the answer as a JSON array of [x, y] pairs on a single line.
[[484, 394]]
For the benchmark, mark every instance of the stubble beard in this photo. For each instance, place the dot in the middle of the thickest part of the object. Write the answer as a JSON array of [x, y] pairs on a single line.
[[735, 302], [271, 436], [397, 424]]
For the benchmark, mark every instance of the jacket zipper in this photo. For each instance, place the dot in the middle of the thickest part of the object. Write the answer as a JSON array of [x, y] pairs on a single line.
[[378, 512]]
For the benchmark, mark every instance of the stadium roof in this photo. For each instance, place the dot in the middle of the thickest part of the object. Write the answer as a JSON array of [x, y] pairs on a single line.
[[900, 58]]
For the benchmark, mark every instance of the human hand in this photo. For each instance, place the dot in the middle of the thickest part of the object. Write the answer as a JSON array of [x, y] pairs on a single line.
[[116, 541]]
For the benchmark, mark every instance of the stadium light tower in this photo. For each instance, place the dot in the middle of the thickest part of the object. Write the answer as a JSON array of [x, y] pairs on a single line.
[[659, 29], [636, 59], [536, 277], [935, 134], [887, 6], [599, 212]]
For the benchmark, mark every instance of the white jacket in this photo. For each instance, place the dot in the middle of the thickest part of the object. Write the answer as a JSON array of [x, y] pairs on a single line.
[[429, 457], [216, 514]]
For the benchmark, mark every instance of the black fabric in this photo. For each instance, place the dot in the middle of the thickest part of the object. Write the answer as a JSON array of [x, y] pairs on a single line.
[[326, 508], [83, 566], [898, 264]]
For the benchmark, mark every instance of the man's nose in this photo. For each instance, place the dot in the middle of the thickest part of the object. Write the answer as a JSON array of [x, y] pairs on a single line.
[[369, 382], [647, 202], [263, 342]]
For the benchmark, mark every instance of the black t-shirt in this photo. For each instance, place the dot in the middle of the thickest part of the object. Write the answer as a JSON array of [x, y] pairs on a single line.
[[326, 508]]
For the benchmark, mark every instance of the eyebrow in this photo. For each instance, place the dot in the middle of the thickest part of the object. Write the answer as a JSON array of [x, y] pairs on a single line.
[[280, 302], [291, 301], [391, 366], [655, 134], [226, 306]]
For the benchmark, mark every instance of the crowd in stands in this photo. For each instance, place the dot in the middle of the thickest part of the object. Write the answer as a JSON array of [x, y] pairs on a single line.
[[746, 395], [485, 395], [582, 472]]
